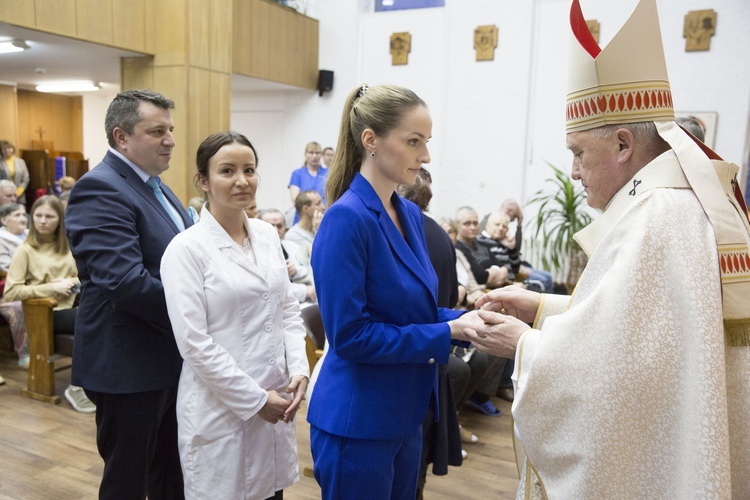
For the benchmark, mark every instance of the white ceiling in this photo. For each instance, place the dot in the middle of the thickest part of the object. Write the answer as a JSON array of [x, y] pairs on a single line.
[[54, 58]]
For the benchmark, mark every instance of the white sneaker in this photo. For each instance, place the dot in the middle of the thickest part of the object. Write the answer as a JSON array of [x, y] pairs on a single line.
[[78, 400]]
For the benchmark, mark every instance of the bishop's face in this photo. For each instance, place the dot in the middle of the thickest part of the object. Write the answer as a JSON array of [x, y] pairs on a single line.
[[595, 165]]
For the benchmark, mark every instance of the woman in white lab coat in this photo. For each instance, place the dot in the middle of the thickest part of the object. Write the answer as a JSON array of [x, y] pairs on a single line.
[[238, 329]]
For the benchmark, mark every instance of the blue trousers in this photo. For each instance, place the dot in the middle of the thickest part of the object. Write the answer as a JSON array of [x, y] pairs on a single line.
[[348, 468]]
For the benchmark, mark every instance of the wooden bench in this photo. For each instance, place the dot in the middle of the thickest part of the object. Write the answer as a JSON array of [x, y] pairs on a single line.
[[44, 349]]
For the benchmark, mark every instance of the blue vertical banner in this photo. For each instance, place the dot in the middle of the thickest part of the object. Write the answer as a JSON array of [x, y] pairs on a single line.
[[59, 172], [385, 5]]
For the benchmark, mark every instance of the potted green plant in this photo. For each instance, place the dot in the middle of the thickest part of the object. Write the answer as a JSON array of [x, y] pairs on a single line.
[[563, 211]]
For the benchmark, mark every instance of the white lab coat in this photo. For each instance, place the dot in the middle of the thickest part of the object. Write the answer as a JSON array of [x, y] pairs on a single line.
[[240, 334]]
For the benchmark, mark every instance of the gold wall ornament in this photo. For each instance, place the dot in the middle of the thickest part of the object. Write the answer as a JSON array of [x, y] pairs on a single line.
[[485, 42], [593, 26], [400, 48], [700, 26]]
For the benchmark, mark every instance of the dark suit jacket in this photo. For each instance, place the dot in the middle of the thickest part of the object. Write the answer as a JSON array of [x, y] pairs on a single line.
[[378, 298], [118, 232], [443, 258]]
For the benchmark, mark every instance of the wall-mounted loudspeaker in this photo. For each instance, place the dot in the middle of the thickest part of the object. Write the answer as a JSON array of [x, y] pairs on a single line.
[[325, 81]]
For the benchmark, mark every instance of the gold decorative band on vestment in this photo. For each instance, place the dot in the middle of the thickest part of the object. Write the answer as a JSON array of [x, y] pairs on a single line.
[[617, 104], [737, 332]]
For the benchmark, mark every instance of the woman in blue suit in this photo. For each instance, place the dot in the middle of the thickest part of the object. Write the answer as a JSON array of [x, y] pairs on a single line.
[[378, 297]]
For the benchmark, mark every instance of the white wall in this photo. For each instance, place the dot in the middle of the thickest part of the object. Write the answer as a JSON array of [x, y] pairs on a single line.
[[495, 122], [94, 138]]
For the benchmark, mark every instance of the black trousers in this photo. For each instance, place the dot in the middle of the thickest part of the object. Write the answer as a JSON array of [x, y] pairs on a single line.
[[136, 435]]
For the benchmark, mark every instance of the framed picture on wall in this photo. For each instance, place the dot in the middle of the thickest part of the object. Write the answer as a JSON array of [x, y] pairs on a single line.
[[706, 119]]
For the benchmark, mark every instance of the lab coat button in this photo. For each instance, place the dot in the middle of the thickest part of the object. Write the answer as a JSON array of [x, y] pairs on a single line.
[[267, 328], [271, 361], [265, 296]]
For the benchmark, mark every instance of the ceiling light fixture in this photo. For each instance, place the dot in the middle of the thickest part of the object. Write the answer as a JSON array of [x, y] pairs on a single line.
[[8, 46], [61, 87]]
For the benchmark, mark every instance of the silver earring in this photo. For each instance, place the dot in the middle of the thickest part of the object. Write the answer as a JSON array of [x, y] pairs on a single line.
[[372, 154]]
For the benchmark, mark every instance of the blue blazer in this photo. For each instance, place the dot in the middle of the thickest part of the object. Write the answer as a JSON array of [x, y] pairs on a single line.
[[378, 297], [118, 232]]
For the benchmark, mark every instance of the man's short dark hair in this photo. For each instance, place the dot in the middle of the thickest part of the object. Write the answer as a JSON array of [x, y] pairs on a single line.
[[304, 199], [124, 112]]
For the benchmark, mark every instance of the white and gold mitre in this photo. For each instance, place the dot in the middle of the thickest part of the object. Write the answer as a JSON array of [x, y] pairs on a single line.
[[624, 83]]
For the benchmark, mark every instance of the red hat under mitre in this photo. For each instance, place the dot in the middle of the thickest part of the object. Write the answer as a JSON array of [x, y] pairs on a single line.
[[626, 82]]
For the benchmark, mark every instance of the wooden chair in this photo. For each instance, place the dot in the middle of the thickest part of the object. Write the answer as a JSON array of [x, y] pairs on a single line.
[[44, 349], [314, 342], [6, 337], [6, 340], [316, 334]]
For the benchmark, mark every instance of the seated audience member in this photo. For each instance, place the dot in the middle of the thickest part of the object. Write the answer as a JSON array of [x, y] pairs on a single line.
[[44, 267], [7, 192], [300, 274], [492, 275], [66, 184], [196, 202], [693, 125], [252, 210], [469, 289], [327, 157], [485, 270], [309, 177], [536, 279], [310, 208], [495, 229], [12, 233], [64, 197], [14, 169]]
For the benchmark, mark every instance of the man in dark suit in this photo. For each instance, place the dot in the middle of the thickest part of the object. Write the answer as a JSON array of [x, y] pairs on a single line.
[[125, 355]]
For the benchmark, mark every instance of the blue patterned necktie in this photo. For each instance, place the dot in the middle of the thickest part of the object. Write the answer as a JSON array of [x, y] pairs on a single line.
[[153, 183]]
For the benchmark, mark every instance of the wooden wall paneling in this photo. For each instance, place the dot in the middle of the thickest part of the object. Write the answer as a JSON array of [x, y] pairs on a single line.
[[9, 114], [281, 55], [220, 41], [150, 25], [200, 104], [22, 102], [129, 29], [199, 29], [274, 43], [136, 73], [311, 54], [262, 45], [36, 162], [75, 121], [241, 37], [173, 82], [58, 116], [57, 16], [94, 21], [170, 32], [209, 96], [18, 12], [221, 97]]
